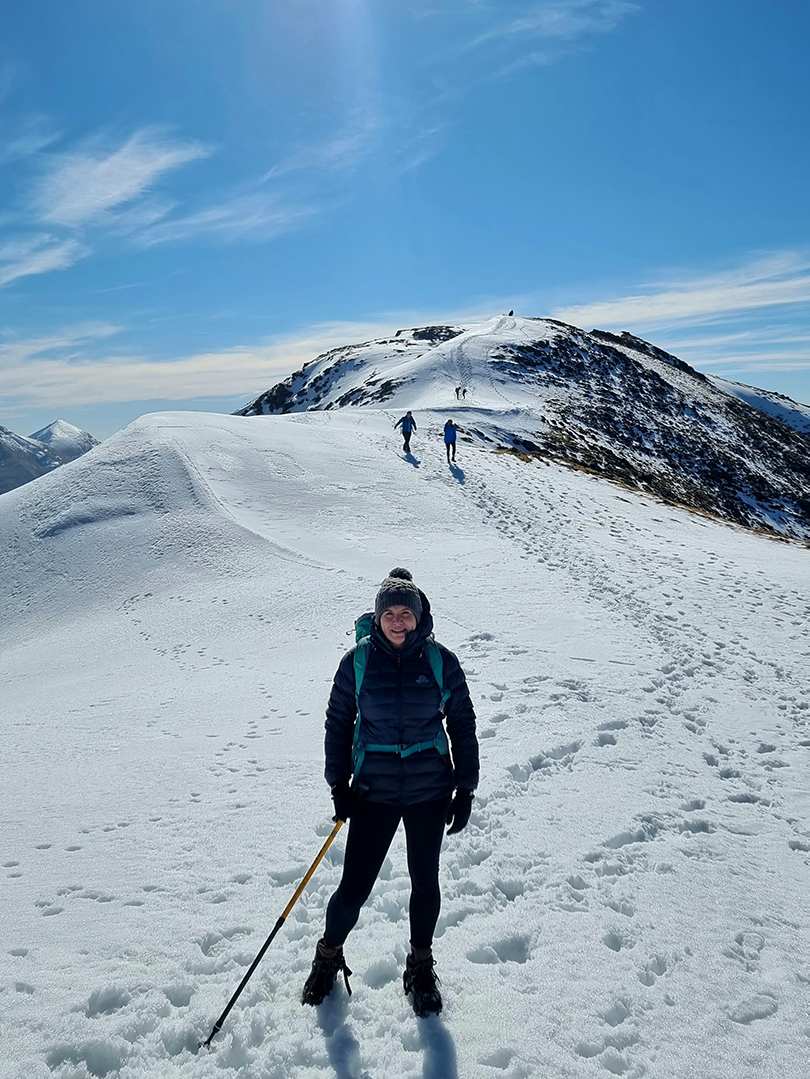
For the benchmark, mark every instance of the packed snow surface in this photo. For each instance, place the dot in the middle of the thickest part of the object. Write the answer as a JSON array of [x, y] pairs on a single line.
[[630, 897]]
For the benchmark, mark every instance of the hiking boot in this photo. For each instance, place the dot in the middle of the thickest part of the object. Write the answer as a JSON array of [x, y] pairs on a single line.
[[326, 966], [421, 985]]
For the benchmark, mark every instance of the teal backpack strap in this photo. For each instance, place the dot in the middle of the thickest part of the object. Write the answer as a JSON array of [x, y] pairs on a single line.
[[361, 654], [437, 666]]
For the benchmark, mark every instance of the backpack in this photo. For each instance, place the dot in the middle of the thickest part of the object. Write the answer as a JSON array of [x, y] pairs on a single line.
[[362, 629]]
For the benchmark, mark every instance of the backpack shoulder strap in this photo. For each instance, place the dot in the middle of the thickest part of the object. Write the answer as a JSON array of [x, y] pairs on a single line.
[[437, 666], [361, 654]]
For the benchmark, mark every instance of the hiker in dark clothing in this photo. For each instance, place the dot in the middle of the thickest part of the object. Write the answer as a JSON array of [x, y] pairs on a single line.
[[464, 393], [450, 439], [458, 391], [403, 771], [408, 424]]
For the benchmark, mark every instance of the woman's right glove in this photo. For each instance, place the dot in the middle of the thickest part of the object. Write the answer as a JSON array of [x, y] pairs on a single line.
[[344, 798], [459, 812]]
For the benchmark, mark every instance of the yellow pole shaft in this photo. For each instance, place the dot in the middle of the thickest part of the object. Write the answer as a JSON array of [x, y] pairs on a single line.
[[312, 869]]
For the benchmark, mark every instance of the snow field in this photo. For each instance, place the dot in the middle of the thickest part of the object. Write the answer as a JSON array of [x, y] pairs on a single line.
[[630, 896]]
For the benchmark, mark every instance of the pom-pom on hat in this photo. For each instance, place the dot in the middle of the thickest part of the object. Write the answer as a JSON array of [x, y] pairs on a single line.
[[398, 590]]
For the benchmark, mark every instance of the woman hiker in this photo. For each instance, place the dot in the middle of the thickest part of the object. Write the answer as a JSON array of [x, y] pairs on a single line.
[[405, 774], [408, 427]]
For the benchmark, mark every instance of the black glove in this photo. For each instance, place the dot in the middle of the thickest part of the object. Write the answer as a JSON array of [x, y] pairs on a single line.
[[459, 812], [344, 798]]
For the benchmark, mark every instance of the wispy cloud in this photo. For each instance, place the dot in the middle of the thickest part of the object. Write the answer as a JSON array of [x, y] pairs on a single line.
[[766, 360], [84, 191], [478, 41], [66, 338], [97, 190], [35, 255], [778, 280], [84, 185], [752, 318], [24, 138], [551, 25], [338, 152], [516, 34], [73, 367], [255, 217], [767, 347], [54, 371], [295, 190]]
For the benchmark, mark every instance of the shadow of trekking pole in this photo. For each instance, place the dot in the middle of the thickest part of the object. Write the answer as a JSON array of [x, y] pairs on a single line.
[[218, 1025]]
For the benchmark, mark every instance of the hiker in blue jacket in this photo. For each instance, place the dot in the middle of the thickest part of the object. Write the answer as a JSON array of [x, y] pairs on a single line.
[[408, 424], [450, 439], [403, 769]]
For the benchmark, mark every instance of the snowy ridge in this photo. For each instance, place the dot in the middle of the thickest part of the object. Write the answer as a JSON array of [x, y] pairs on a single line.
[[630, 896], [774, 404], [613, 405]]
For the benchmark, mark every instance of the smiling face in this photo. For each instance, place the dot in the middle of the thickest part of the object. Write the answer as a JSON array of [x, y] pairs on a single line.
[[396, 623]]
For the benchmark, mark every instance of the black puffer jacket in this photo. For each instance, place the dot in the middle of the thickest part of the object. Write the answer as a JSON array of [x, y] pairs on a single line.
[[399, 705]]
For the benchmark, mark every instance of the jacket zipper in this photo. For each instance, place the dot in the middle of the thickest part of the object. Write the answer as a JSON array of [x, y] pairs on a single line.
[[401, 728], [400, 707]]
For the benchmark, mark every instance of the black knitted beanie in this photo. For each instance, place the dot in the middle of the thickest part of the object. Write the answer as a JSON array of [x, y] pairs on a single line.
[[398, 590]]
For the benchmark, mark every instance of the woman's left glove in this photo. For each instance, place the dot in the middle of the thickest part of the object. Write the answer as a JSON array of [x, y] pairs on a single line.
[[459, 812], [344, 798]]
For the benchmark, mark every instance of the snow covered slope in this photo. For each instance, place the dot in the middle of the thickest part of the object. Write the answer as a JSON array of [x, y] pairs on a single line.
[[774, 404], [630, 897], [65, 440], [614, 405], [25, 459]]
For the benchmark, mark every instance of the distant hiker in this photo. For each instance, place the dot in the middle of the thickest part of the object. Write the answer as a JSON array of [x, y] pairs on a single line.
[[450, 439], [402, 681], [458, 391], [511, 312], [408, 424], [464, 393]]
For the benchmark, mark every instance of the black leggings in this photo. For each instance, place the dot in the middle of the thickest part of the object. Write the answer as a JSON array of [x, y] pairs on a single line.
[[371, 828]]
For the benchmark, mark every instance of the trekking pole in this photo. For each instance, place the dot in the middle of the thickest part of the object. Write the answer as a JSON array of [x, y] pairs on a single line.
[[218, 1025]]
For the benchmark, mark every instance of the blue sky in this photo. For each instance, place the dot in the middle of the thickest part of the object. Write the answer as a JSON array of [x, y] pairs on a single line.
[[196, 198]]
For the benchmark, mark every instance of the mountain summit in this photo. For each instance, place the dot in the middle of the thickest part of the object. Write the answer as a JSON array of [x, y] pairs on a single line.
[[65, 441], [613, 405], [25, 459]]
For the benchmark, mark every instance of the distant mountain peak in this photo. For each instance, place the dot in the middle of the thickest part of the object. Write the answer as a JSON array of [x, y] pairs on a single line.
[[65, 440], [24, 459]]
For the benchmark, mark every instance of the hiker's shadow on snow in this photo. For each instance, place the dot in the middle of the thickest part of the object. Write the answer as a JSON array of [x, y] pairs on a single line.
[[457, 472], [409, 457], [341, 1045], [439, 1050]]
